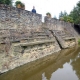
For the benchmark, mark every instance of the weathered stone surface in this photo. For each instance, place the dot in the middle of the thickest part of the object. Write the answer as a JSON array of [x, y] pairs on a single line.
[[15, 18], [21, 54], [28, 38], [55, 24], [65, 40]]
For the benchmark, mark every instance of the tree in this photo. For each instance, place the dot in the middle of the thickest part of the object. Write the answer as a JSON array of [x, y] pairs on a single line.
[[78, 4], [1, 1], [61, 14], [55, 17], [75, 13], [68, 19], [8, 2], [65, 17]]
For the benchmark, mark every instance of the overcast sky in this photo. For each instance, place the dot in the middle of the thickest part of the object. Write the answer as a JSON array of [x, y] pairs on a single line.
[[52, 6]]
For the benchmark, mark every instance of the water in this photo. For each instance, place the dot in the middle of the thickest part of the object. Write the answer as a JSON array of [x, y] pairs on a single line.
[[64, 65]]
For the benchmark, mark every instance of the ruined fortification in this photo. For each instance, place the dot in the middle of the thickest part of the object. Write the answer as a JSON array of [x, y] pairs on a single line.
[[25, 38]]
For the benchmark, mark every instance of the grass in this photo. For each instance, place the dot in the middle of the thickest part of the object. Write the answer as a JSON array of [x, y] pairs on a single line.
[[79, 41]]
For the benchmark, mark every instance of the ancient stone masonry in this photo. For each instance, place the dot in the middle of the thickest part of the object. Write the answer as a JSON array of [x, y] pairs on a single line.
[[14, 18], [17, 24], [63, 31], [55, 24], [24, 38]]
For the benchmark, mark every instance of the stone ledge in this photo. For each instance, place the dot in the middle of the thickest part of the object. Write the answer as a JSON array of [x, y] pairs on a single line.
[[69, 38], [34, 43]]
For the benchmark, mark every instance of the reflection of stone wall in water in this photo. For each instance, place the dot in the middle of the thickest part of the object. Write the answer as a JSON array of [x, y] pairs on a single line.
[[47, 65], [76, 63]]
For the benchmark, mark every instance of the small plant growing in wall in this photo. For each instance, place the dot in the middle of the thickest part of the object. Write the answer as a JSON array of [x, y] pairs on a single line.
[[19, 4], [22, 6], [48, 14], [79, 41]]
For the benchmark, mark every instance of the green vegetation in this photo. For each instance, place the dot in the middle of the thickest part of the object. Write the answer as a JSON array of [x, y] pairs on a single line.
[[8, 2], [48, 14], [73, 17], [65, 17], [79, 41], [19, 4], [1, 1]]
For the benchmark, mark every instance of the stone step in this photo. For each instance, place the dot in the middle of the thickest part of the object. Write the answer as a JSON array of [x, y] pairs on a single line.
[[66, 36], [39, 34], [38, 31], [36, 42], [69, 38], [61, 34], [40, 37], [31, 39]]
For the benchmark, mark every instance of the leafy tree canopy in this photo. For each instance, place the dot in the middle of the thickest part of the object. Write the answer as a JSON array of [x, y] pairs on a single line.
[[74, 15], [8, 2], [65, 17]]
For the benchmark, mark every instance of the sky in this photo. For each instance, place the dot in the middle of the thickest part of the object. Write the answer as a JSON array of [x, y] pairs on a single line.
[[52, 6]]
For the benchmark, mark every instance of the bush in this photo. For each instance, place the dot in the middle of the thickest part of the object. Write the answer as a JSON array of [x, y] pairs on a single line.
[[8, 2], [19, 4], [48, 14], [79, 41], [1, 1]]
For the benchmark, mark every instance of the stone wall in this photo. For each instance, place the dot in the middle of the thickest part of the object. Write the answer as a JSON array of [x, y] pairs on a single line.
[[55, 24], [63, 31], [22, 53], [24, 38], [13, 18], [17, 24]]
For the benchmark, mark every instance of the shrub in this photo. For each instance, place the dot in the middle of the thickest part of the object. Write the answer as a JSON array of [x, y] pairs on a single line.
[[79, 41]]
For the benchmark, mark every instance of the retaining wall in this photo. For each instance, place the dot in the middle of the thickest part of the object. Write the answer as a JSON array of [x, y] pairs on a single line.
[[24, 38]]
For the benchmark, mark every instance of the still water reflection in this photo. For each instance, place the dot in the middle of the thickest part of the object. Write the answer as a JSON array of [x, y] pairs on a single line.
[[66, 66]]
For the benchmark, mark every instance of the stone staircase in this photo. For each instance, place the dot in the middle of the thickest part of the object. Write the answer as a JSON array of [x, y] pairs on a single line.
[[19, 35], [64, 35], [42, 35], [65, 39], [29, 35]]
